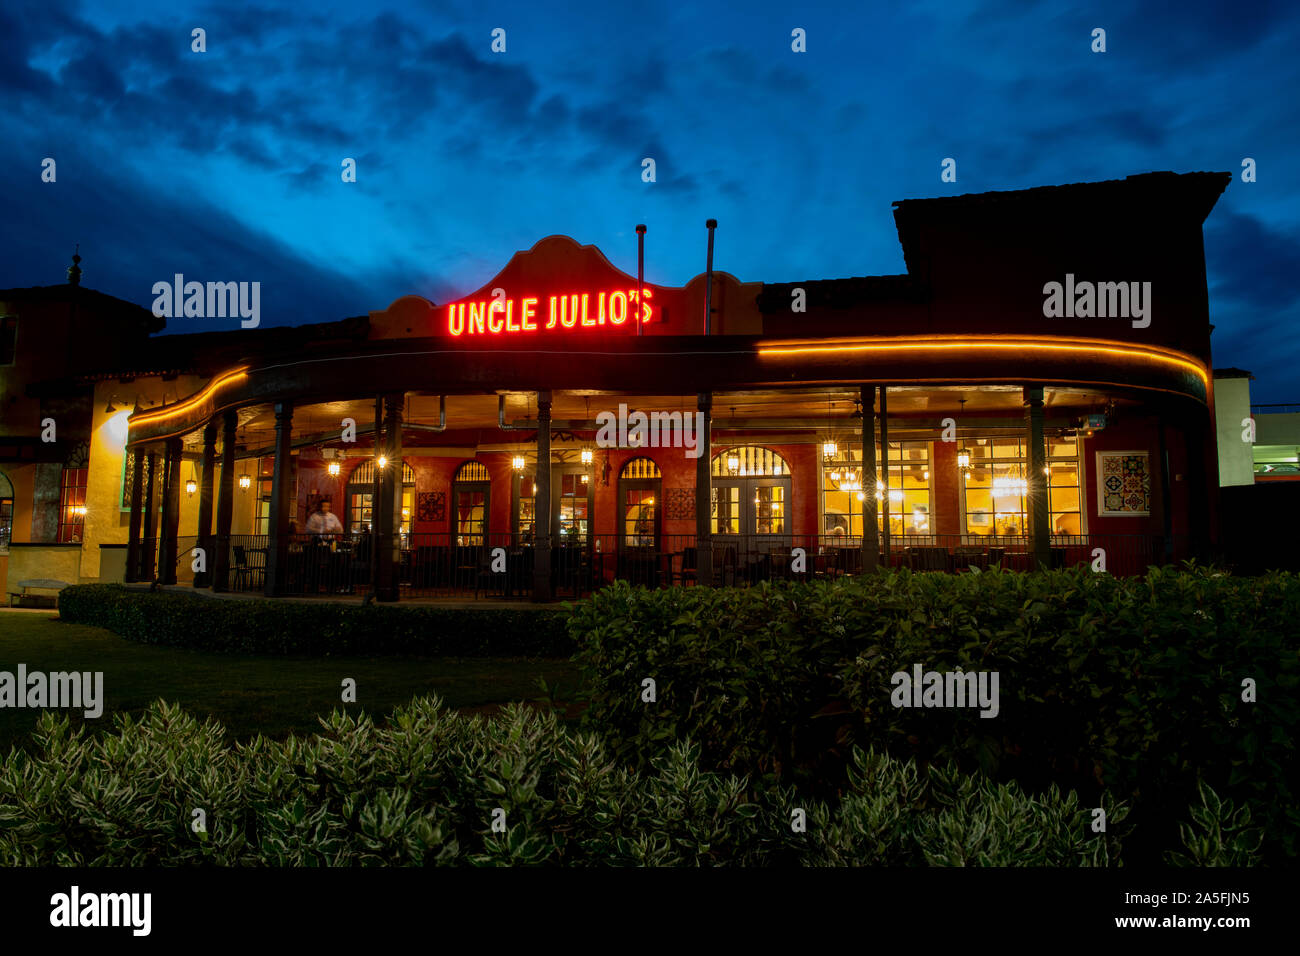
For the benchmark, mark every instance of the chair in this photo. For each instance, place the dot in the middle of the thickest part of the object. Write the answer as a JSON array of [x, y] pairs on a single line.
[[724, 562], [245, 571], [569, 567], [519, 571], [848, 560], [970, 556], [467, 561], [485, 579], [690, 567], [779, 565]]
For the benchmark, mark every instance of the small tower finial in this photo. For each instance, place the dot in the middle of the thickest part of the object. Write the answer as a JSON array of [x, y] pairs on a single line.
[[74, 270]]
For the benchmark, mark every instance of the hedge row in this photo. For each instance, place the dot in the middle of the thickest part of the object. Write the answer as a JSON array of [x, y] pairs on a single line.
[[283, 627], [428, 786], [1130, 686]]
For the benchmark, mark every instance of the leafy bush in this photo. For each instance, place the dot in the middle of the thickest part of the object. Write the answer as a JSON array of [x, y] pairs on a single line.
[[277, 627], [1129, 686], [894, 815], [1218, 836], [423, 789]]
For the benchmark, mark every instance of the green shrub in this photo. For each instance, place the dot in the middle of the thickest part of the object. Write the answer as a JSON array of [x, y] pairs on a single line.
[[1218, 835], [897, 815], [1127, 686], [123, 799], [422, 790], [260, 626]]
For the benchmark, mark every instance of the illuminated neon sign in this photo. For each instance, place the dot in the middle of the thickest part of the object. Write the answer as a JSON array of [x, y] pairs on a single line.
[[583, 310]]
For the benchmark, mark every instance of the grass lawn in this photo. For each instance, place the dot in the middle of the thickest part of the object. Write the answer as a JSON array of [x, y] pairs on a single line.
[[248, 694]]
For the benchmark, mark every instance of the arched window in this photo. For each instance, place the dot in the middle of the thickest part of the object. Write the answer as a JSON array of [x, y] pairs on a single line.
[[751, 492], [640, 468], [471, 495], [72, 493], [361, 490], [364, 473], [640, 488], [749, 461]]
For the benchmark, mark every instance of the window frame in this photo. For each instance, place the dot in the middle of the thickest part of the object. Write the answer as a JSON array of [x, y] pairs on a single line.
[[1076, 460], [845, 459]]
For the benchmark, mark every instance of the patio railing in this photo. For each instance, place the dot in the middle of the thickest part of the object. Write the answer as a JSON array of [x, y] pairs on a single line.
[[504, 565]]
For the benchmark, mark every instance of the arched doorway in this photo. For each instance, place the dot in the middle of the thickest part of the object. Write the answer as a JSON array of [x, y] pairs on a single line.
[[471, 497], [640, 488], [750, 508]]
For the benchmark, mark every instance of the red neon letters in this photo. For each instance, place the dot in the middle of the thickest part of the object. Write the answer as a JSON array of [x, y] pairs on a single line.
[[496, 317]]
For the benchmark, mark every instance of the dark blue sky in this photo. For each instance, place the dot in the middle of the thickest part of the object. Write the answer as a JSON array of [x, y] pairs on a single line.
[[225, 165]]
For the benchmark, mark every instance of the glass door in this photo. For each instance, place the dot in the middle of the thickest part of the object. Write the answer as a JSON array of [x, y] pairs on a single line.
[[471, 503]]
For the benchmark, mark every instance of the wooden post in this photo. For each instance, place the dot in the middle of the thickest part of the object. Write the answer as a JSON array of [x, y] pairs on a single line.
[[870, 489], [171, 513], [704, 493], [206, 469], [133, 531], [389, 504], [149, 551], [1039, 520], [277, 548], [225, 503], [870, 526], [542, 508]]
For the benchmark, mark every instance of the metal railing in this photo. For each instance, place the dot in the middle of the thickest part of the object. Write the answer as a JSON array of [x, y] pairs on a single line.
[[504, 565]]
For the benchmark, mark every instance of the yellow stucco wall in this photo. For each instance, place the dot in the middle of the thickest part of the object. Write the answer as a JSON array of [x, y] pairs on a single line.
[[58, 562], [106, 522]]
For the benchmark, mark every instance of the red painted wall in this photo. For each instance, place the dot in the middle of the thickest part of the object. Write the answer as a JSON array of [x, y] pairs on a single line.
[[1125, 436], [947, 484]]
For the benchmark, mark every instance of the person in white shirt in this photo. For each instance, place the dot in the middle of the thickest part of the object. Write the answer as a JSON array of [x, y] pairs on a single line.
[[323, 521]]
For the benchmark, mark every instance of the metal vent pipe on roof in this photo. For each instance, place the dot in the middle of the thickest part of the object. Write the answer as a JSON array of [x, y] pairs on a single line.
[[710, 224]]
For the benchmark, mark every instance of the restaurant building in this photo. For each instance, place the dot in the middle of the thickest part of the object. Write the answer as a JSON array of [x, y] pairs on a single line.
[[1035, 391]]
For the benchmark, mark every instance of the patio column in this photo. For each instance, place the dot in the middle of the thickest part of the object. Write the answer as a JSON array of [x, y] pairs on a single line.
[[542, 509], [225, 503], [704, 493], [171, 513], [379, 555], [388, 508], [870, 527], [206, 469], [133, 532], [884, 460], [277, 548], [149, 547], [1039, 527]]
